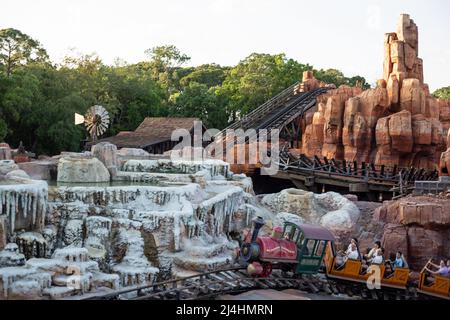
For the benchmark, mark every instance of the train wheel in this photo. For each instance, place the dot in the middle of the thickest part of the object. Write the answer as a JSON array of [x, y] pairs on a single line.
[[267, 270]]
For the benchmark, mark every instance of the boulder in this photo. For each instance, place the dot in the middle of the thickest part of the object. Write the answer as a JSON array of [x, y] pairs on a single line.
[[407, 31], [18, 174], [309, 82], [423, 245], [132, 152], [7, 166], [25, 290], [418, 226], [355, 132], [394, 137], [329, 209], [5, 152], [107, 153], [400, 131], [393, 91], [422, 129], [11, 257], [73, 169], [395, 238], [41, 169], [412, 96]]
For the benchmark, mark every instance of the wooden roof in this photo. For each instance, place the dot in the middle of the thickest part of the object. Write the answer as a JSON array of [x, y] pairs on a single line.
[[163, 127], [151, 131]]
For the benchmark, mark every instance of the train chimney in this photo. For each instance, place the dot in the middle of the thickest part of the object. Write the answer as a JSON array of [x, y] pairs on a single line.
[[258, 223]]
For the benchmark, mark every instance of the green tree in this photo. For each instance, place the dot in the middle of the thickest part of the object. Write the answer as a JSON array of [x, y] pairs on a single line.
[[164, 62], [336, 77], [17, 48], [3, 129], [256, 79], [210, 75], [442, 93], [200, 102]]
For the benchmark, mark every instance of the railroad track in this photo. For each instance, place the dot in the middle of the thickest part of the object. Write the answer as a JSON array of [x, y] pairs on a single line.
[[211, 284]]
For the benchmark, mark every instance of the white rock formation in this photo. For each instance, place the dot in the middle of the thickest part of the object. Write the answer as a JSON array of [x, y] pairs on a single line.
[[17, 173], [5, 152], [132, 152], [7, 166], [123, 233], [11, 257], [72, 169], [24, 202], [107, 154], [329, 209], [213, 167]]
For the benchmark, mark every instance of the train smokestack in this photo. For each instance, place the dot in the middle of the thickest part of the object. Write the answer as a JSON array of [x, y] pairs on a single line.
[[258, 223]]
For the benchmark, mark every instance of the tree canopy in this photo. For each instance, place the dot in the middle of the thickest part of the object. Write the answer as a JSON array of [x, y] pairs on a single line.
[[442, 93], [38, 98]]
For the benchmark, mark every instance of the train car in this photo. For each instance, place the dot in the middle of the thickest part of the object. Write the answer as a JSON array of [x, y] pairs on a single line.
[[438, 287], [295, 247], [305, 248], [352, 270]]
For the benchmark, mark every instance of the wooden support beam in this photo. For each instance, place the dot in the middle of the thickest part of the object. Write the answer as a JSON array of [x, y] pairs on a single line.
[[373, 170]]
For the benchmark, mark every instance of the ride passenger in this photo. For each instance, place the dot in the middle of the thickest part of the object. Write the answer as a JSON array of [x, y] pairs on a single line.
[[400, 261], [442, 270], [378, 258], [353, 241], [372, 253], [351, 253]]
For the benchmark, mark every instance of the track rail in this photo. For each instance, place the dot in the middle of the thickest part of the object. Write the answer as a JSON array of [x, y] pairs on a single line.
[[235, 280]]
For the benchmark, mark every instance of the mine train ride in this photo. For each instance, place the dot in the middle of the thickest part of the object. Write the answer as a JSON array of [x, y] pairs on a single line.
[[309, 249]]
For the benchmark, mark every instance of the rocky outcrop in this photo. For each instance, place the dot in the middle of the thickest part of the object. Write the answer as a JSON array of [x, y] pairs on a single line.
[[418, 226], [329, 209], [309, 82], [23, 203], [40, 169], [7, 166], [324, 129], [72, 169], [107, 153], [5, 151], [396, 123], [180, 215]]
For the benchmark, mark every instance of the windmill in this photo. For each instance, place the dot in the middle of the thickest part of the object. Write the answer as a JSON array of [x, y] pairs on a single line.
[[96, 121]]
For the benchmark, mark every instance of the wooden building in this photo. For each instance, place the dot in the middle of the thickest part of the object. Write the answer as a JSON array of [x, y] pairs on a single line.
[[153, 134]]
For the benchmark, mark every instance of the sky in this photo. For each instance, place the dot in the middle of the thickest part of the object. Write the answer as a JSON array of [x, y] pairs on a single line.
[[346, 35]]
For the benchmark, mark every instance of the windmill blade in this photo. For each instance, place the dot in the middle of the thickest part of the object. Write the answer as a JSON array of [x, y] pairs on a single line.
[[96, 120], [79, 119]]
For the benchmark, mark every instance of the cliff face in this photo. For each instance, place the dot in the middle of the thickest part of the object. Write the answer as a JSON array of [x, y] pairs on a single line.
[[396, 123], [417, 226]]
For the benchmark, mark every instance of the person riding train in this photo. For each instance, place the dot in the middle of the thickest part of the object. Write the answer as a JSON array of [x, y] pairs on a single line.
[[442, 269], [372, 252], [351, 253]]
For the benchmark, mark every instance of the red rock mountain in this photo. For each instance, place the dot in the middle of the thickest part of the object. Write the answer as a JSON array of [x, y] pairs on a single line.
[[396, 123]]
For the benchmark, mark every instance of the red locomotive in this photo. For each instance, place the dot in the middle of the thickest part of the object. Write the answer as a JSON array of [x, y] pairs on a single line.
[[287, 247]]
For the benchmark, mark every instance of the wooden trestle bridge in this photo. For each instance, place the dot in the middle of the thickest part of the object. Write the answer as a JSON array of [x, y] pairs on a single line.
[[311, 173], [285, 112]]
